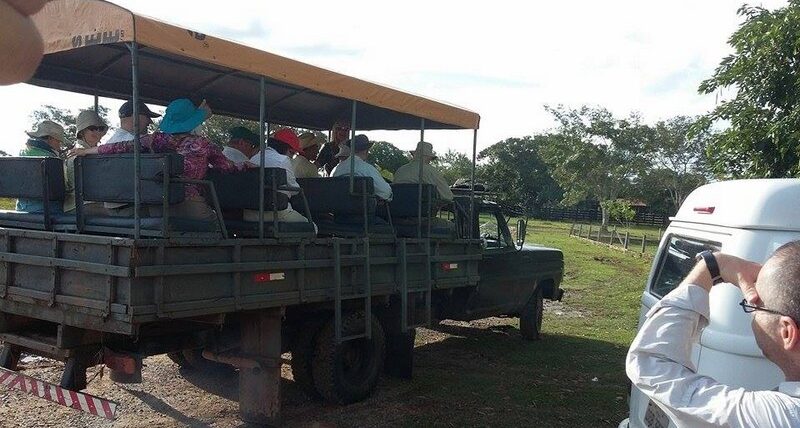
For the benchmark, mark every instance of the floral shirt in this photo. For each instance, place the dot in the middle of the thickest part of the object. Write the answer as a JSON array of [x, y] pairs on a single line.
[[198, 153]]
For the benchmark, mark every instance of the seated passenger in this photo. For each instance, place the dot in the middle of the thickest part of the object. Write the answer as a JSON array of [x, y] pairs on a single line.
[[125, 130], [327, 158], [90, 128], [279, 147], [178, 133], [242, 145], [409, 173], [360, 166], [303, 163], [45, 141]]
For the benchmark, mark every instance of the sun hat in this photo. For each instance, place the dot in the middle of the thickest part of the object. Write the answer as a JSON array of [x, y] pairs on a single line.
[[361, 143], [308, 139], [427, 150], [86, 119], [242, 133], [126, 110], [288, 137], [182, 116], [47, 128]]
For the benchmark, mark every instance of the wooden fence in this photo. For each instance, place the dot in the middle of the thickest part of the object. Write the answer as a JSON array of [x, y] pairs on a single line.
[[612, 238], [588, 215]]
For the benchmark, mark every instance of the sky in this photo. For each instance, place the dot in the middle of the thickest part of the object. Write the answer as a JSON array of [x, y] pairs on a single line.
[[503, 59]]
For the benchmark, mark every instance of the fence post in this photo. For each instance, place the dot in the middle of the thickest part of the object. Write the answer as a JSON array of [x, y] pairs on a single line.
[[580, 230], [611, 237], [589, 233], [644, 240], [571, 228], [627, 235]]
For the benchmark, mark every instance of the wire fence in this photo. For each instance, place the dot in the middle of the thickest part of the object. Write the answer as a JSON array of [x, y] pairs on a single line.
[[643, 244]]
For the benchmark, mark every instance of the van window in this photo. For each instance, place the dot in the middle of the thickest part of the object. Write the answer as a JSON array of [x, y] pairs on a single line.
[[677, 259]]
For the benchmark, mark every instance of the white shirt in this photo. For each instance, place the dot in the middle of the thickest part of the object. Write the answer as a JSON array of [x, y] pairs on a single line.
[[659, 364], [119, 135], [364, 169], [234, 155], [273, 159]]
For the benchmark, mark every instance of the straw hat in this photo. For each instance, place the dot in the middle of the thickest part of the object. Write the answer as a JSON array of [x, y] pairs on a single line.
[[47, 128], [86, 119], [308, 139], [426, 148]]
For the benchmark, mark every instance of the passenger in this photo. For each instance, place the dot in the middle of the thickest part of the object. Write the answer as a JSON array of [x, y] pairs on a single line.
[[279, 148], [125, 130], [409, 173], [177, 133], [90, 129], [360, 166], [45, 141], [242, 145], [327, 155], [303, 163]]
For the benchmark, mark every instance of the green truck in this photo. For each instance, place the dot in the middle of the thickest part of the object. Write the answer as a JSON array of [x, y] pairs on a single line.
[[345, 301]]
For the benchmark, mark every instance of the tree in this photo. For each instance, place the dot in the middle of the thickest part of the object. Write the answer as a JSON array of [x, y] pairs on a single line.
[[764, 116], [678, 158], [619, 210], [592, 154], [514, 170], [453, 165], [65, 118], [387, 156]]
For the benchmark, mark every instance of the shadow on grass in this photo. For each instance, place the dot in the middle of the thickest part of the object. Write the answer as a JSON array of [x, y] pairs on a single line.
[[476, 376]]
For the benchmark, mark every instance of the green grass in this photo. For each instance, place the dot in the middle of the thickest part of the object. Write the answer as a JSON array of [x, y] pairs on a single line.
[[7, 204], [574, 377]]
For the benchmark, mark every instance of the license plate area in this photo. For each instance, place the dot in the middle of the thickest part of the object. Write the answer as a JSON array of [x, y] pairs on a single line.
[[654, 417]]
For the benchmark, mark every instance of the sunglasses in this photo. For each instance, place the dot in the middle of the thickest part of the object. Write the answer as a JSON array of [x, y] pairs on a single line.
[[97, 128], [749, 308]]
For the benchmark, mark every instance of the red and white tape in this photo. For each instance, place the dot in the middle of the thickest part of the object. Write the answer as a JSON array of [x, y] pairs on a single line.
[[76, 400]]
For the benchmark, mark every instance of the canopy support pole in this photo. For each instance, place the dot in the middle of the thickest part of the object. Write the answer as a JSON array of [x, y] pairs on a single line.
[[134, 48], [353, 148], [262, 108], [96, 104], [421, 159], [472, 184]]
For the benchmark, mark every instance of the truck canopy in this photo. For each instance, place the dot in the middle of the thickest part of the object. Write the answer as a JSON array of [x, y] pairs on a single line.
[[86, 47]]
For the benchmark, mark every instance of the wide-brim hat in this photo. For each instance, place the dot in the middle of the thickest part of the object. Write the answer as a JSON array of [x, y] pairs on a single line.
[[426, 149], [182, 116], [88, 118], [288, 137], [361, 143], [47, 128], [242, 133], [308, 139]]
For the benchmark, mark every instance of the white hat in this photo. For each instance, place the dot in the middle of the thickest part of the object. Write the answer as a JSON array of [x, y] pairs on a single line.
[[308, 139], [86, 119], [426, 148], [47, 128]]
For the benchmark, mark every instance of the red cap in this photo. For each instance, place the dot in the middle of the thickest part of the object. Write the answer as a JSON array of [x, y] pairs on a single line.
[[289, 137]]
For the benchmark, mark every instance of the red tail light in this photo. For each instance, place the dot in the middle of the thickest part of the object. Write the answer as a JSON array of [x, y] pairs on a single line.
[[704, 210]]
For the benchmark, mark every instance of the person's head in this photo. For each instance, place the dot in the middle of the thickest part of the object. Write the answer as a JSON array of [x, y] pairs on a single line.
[[285, 142], [775, 325], [310, 144], [182, 117], [90, 127], [49, 132], [340, 131], [424, 151], [243, 140], [361, 146], [126, 117]]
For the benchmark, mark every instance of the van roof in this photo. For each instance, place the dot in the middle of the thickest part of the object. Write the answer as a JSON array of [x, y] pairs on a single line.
[[86, 51], [746, 204]]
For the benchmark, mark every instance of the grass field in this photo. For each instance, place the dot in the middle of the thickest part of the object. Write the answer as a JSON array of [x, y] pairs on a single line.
[[574, 377], [7, 204]]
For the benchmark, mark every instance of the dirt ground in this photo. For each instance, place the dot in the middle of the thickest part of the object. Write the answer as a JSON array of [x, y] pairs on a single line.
[[171, 397]]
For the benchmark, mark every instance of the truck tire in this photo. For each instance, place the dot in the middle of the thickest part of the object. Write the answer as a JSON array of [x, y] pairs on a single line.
[[530, 318], [348, 372], [303, 358]]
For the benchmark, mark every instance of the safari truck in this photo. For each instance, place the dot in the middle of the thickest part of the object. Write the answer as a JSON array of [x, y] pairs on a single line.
[[345, 301], [714, 217]]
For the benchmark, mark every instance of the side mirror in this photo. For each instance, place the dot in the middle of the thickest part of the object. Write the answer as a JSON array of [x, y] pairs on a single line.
[[522, 226]]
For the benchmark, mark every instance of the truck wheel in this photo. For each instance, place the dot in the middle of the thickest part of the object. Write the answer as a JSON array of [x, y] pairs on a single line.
[[348, 372], [303, 358], [9, 356], [530, 318]]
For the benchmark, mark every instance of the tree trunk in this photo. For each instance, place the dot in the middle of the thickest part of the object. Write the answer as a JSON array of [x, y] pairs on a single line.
[[604, 216]]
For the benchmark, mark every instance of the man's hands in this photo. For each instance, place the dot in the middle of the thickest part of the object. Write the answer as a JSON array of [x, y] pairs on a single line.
[[733, 270]]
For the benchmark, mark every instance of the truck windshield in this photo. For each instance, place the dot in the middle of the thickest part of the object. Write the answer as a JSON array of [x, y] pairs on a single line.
[[677, 259]]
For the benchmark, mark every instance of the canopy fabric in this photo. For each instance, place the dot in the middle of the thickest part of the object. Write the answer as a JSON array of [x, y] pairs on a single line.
[[86, 51]]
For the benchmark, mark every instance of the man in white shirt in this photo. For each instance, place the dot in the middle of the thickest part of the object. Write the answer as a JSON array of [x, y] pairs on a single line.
[[125, 130], [360, 166], [659, 361], [242, 145], [280, 147]]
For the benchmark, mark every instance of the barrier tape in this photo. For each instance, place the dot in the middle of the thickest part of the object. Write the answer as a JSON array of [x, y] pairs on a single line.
[[50, 392]]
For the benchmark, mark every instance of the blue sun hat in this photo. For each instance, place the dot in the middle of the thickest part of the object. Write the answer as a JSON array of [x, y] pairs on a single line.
[[182, 116]]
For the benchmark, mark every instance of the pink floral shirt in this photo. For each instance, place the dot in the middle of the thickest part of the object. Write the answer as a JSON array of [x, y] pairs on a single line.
[[198, 153]]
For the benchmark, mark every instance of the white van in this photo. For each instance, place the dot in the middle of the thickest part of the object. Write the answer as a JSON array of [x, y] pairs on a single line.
[[746, 218]]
